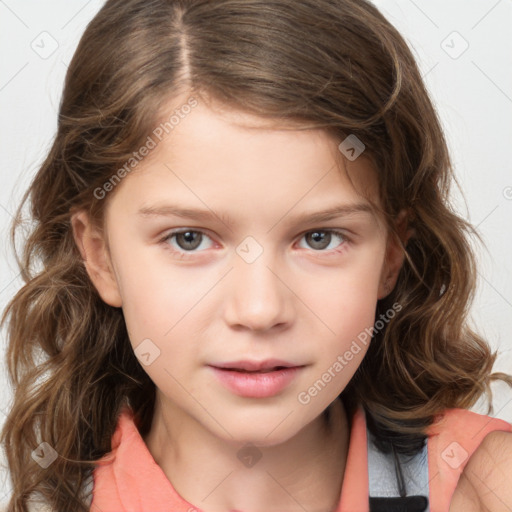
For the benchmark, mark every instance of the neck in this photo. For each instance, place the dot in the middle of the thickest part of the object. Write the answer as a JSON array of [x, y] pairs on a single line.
[[303, 473]]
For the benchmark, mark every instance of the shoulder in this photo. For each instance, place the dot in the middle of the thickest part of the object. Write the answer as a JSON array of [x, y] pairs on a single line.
[[453, 438], [465, 427], [451, 418], [492, 455], [486, 478]]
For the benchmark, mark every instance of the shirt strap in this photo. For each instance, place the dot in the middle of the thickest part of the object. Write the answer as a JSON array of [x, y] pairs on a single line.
[[388, 472]]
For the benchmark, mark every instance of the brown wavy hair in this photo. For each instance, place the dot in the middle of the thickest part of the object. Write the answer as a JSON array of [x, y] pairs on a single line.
[[336, 65]]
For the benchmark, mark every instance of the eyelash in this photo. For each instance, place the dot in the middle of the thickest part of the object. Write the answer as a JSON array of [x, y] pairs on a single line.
[[185, 254]]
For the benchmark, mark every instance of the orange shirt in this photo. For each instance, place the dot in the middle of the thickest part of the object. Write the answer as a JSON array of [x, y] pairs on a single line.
[[129, 479]]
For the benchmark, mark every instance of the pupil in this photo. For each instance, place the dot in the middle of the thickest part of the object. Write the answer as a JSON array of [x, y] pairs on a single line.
[[188, 237], [319, 237]]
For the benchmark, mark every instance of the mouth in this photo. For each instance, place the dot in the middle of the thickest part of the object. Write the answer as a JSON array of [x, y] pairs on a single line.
[[252, 379], [266, 366], [268, 370]]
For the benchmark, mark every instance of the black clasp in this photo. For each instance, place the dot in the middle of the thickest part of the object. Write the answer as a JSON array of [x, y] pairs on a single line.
[[405, 504]]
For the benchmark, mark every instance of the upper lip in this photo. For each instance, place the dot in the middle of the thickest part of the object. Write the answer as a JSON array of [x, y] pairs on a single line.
[[255, 365]]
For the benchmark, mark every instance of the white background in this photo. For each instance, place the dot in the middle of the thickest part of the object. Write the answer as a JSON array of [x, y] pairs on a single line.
[[473, 94]]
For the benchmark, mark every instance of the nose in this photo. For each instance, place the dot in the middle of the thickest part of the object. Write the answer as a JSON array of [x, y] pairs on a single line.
[[258, 299]]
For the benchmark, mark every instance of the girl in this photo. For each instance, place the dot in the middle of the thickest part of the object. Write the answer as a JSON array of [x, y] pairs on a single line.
[[245, 288]]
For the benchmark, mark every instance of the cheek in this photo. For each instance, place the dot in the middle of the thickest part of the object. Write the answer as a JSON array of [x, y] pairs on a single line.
[[348, 296], [348, 308], [351, 327], [158, 301], [160, 308]]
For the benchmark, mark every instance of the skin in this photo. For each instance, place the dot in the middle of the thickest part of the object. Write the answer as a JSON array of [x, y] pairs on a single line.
[[485, 484], [298, 301]]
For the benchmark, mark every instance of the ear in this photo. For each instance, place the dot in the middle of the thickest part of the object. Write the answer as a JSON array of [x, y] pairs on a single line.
[[394, 255], [93, 249]]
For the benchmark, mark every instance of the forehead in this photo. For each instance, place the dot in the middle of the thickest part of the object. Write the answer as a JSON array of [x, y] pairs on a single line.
[[217, 156]]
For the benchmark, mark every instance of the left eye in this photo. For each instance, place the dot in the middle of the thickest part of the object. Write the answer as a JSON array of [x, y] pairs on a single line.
[[320, 239]]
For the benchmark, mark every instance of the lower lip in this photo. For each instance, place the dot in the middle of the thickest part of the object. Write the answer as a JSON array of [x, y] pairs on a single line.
[[256, 385]]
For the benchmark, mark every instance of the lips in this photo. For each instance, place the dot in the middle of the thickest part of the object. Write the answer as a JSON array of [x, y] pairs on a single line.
[[266, 366], [253, 379], [257, 371]]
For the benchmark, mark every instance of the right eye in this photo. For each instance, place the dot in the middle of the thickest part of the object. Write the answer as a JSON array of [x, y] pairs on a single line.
[[186, 240]]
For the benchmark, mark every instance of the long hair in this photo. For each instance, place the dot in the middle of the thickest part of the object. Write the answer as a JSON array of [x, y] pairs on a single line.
[[335, 65]]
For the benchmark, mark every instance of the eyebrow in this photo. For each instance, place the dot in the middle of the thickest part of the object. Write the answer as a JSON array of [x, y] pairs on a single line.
[[333, 212]]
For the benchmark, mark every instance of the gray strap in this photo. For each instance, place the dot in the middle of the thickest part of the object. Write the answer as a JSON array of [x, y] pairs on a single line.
[[382, 475]]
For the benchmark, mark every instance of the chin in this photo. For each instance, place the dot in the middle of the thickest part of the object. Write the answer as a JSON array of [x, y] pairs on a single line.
[[259, 431], [262, 440]]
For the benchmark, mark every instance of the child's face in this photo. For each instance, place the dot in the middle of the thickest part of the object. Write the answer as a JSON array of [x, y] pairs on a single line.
[[258, 286]]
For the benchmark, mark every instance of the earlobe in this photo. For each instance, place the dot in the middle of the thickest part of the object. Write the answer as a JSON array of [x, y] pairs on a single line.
[[391, 269], [394, 255], [92, 247]]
